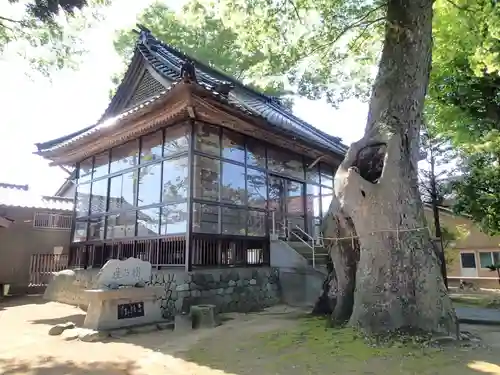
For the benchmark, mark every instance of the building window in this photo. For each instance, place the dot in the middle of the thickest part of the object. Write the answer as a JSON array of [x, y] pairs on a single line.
[[101, 165], [174, 219], [149, 185], [468, 260], [326, 173], [496, 257], [282, 162], [256, 223], [233, 184], [124, 156], [82, 200], [148, 222], [234, 221], [256, 188], [80, 233], [313, 201], [122, 192], [96, 229], [312, 174], [326, 199], [99, 196], [233, 146], [176, 140], [485, 259], [175, 180], [206, 178], [207, 139], [121, 225], [205, 218], [85, 170], [256, 154], [151, 147]]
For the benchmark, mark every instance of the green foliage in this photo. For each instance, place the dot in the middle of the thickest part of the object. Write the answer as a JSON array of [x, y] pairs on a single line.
[[463, 103], [318, 49], [47, 33]]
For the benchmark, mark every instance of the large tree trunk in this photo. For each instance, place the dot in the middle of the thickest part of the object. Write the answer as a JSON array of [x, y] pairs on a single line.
[[398, 280], [340, 239]]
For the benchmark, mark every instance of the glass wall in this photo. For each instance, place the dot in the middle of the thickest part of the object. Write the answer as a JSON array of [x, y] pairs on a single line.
[[238, 181], [138, 189], [141, 188]]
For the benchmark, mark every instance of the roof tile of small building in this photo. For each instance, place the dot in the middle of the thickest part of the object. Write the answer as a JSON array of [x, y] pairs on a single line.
[[12, 195]]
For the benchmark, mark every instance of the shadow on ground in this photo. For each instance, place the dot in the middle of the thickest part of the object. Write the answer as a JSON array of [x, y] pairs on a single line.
[[13, 301], [51, 366], [77, 319]]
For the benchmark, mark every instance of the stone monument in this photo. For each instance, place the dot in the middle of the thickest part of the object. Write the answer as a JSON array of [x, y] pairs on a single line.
[[122, 298]]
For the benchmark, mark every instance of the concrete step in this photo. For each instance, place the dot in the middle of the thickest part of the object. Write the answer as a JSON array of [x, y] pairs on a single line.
[[321, 254]]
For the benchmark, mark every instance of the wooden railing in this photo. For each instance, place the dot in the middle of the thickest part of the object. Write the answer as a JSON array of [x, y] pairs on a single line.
[[206, 251], [43, 265]]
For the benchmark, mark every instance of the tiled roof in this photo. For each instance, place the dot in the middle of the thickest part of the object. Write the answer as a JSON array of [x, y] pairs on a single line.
[[19, 196], [168, 61]]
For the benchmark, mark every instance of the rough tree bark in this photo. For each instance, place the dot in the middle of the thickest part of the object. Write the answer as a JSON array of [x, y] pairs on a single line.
[[337, 298], [398, 280]]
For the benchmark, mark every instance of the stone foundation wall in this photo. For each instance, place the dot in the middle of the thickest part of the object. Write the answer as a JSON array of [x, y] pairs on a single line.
[[231, 290]]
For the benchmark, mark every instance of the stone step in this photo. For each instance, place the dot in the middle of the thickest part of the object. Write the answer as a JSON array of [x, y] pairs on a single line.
[[321, 254]]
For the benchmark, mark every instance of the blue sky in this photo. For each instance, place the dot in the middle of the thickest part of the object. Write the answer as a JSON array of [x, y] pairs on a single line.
[[37, 110]]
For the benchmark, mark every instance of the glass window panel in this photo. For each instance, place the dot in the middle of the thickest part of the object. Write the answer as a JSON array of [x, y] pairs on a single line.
[[206, 178], [256, 188], [283, 162], [175, 180], [85, 171], [122, 191], [151, 147], [256, 223], [99, 196], [277, 194], [234, 221], [80, 233], [96, 228], [326, 174], [174, 219], [233, 184], [121, 225], [313, 200], [496, 257], [468, 260], [149, 185], [312, 175], [176, 139], [124, 156], [101, 165], [326, 199], [295, 197], [207, 139], [148, 222], [485, 259], [82, 199], [256, 153], [205, 218], [233, 146]]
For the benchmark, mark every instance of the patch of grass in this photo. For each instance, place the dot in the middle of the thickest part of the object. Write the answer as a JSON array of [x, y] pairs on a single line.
[[311, 348]]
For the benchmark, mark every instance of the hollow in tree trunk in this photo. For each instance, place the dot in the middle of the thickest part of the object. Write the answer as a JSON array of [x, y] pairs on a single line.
[[398, 279]]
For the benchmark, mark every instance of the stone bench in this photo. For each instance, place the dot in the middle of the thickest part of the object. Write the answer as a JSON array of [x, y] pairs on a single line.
[[124, 307]]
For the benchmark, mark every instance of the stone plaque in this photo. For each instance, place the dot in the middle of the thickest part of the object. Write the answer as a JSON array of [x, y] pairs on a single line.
[[124, 272], [130, 310]]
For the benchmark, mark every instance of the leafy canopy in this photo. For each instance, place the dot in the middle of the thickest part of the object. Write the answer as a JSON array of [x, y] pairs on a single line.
[[463, 103], [46, 33]]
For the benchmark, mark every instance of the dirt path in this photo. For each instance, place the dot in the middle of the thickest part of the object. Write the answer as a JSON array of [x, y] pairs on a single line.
[[276, 341]]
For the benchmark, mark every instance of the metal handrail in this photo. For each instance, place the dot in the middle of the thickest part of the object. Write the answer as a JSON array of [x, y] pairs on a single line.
[[286, 227]]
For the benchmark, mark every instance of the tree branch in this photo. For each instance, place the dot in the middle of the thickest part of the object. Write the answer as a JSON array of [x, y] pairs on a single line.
[[11, 20]]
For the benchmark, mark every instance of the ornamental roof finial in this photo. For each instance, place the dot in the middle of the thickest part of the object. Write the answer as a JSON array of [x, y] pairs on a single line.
[[188, 71]]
